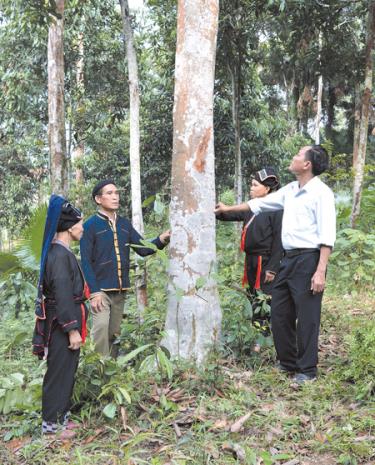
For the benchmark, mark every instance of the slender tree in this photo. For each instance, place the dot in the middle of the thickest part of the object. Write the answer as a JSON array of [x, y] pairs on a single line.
[[56, 108], [135, 164], [318, 116], [79, 149], [194, 316], [234, 50], [360, 154], [357, 121]]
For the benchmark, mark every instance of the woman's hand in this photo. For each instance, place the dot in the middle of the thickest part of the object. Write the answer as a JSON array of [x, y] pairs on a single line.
[[269, 277], [75, 340]]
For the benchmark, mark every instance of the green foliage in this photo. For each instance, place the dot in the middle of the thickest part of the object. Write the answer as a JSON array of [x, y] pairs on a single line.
[[17, 294], [8, 263], [360, 368], [239, 335], [353, 260], [17, 395], [367, 217], [31, 239], [228, 197], [114, 382]]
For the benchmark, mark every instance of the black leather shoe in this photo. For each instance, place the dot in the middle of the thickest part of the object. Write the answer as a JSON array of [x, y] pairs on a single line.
[[301, 378]]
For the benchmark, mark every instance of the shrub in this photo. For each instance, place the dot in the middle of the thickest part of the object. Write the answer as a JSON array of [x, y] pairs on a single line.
[[353, 259], [361, 366]]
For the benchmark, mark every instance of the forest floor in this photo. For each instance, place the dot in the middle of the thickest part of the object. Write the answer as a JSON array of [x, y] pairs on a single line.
[[229, 413]]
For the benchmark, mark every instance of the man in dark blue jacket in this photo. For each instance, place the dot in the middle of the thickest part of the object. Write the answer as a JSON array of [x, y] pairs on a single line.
[[105, 251]]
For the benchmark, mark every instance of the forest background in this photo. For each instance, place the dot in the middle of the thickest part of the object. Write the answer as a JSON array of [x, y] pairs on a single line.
[[287, 73]]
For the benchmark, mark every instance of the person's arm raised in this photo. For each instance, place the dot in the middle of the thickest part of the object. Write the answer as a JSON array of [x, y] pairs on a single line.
[[222, 208]]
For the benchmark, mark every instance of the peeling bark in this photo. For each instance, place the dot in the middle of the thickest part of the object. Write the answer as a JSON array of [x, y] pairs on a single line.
[[363, 129], [194, 316], [56, 108], [135, 164]]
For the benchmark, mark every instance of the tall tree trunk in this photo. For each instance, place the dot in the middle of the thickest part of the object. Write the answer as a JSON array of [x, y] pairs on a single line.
[[135, 164], [357, 123], [318, 116], [235, 74], [194, 316], [363, 129], [330, 111], [79, 149], [56, 109], [296, 96]]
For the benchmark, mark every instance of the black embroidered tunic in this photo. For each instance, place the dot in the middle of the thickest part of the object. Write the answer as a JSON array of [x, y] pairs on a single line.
[[262, 239], [63, 290]]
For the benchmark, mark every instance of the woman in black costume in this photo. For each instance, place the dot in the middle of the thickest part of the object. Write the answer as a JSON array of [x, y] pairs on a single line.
[[60, 328], [261, 242]]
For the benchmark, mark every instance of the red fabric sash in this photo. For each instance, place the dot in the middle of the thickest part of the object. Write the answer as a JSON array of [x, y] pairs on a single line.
[[86, 295]]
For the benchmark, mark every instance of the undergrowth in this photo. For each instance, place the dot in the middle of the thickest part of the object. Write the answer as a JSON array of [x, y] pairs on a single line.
[[237, 408]]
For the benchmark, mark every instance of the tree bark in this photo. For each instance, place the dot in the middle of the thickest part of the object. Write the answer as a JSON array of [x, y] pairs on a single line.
[[296, 96], [235, 74], [194, 315], [330, 111], [56, 108], [135, 164], [357, 123], [318, 116], [79, 149], [363, 129]]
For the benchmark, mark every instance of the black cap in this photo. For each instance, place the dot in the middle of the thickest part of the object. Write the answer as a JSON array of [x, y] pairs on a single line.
[[100, 186], [268, 177], [69, 216]]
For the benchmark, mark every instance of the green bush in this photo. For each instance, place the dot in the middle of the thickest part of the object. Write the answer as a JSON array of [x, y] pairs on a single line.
[[361, 366], [353, 260], [17, 294]]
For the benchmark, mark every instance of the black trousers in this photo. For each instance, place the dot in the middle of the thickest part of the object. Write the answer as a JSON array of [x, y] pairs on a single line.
[[295, 314], [58, 381], [266, 288]]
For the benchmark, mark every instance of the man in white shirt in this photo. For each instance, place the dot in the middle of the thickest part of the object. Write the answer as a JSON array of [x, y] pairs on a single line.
[[308, 235]]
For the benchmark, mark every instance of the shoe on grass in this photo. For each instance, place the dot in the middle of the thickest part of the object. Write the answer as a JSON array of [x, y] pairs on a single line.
[[301, 378]]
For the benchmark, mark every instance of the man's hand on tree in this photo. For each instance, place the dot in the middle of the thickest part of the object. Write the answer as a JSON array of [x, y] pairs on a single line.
[[165, 237], [220, 208]]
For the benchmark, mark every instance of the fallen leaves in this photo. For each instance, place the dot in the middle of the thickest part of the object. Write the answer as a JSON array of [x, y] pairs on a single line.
[[237, 426], [237, 450], [17, 443], [98, 432]]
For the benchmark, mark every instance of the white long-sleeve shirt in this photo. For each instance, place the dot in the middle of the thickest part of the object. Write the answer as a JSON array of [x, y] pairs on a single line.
[[309, 219]]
